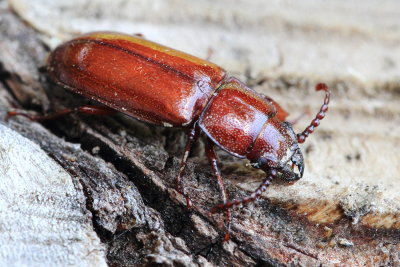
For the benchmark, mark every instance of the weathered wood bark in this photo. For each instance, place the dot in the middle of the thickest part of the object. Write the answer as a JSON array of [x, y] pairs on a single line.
[[345, 211]]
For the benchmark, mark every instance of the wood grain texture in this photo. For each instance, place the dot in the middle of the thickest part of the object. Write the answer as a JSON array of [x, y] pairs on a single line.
[[345, 211], [43, 218]]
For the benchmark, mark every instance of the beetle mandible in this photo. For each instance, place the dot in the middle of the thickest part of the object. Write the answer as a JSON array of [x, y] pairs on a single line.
[[166, 87]]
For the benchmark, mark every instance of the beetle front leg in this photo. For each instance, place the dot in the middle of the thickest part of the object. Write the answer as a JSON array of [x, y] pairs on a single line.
[[261, 188], [212, 158], [192, 135]]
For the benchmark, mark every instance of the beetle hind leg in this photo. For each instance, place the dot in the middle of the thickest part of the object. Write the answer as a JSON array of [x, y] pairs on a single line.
[[87, 109], [192, 135]]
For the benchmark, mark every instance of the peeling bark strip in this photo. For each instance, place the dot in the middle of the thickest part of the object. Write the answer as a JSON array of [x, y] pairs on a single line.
[[123, 174]]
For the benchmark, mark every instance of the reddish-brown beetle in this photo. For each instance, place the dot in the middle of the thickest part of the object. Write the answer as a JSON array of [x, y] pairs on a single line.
[[165, 87]]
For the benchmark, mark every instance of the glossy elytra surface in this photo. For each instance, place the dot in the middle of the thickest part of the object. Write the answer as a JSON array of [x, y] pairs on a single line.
[[148, 81]]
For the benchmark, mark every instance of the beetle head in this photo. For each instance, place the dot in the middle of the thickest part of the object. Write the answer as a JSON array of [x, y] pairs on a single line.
[[276, 148]]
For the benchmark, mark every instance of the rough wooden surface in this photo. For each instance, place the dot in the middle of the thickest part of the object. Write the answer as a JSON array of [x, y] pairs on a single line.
[[43, 218], [345, 211]]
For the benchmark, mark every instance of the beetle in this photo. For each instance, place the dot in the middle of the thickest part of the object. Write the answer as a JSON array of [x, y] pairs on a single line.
[[162, 86]]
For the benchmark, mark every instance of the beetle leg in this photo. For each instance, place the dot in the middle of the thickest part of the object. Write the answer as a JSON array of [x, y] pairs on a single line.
[[210, 52], [212, 158], [141, 35], [261, 188], [281, 114], [192, 135], [88, 109], [306, 112]]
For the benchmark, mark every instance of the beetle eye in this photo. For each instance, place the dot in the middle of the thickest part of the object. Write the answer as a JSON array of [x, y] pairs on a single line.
[[267, 161], [261, 162]]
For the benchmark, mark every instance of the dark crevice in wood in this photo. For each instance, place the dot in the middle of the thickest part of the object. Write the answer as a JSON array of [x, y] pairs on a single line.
[[100, 231]]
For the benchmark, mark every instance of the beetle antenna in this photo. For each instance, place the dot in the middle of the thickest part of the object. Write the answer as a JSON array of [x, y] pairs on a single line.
[[320, 115]]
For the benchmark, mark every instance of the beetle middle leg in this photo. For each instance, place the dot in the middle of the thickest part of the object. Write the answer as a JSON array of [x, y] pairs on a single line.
[[306, 112], [212, 157], [192, 135], [87, 109]]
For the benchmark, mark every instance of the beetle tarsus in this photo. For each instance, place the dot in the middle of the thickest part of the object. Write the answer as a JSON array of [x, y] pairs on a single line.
[[301, 137], [23, 114], [227, 237]]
